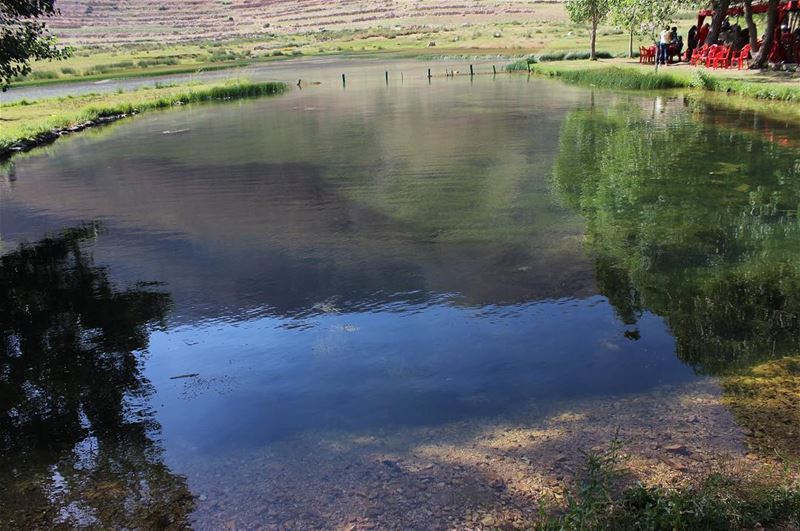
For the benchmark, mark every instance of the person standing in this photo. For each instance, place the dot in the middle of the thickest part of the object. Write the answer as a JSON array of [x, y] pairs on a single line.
[[691, 42], [663, 46]]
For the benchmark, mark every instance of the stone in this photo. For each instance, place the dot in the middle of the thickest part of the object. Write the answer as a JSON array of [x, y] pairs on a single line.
[[679, 449]]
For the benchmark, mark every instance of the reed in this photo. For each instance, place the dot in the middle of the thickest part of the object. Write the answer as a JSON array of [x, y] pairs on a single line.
[[614, 77]]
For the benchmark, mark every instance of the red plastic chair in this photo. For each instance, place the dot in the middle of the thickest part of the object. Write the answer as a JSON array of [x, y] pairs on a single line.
[[742, 57], [651, 54], [699, 55], [723, 57], [711, 55]]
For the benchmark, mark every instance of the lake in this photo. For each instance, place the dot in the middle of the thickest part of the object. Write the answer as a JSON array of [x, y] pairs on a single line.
[[397, 306]]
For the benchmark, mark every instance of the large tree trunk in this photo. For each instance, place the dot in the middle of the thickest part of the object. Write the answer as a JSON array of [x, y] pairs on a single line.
[[752, 32], [593, 48], [720, 12], [760, 60]]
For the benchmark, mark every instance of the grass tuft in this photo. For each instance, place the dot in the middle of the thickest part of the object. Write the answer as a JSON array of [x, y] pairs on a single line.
[[718, 502], [615, 78]]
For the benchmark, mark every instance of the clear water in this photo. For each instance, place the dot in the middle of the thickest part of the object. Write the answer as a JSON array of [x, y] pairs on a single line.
[[205, 284]]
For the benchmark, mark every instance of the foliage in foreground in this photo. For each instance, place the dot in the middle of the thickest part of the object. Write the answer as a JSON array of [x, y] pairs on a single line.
[[41, 117], [24, 38], [719, 502]]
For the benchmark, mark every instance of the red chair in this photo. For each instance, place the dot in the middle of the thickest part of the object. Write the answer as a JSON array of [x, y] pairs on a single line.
[[699, 55], [742, 57], [712, 53], [723, 57], [651, 54], [647, 55]]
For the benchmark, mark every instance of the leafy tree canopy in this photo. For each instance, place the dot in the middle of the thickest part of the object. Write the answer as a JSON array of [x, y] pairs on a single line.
[[24, 37]]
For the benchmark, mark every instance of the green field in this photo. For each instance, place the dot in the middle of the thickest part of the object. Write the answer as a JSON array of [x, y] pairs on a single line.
[[510, 39]]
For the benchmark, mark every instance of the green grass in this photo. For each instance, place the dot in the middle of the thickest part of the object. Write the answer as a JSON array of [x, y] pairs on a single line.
[[27, 121], [35, 79], [717, 502], [639, 78], [763, 91], [614, 77], [523, 65]]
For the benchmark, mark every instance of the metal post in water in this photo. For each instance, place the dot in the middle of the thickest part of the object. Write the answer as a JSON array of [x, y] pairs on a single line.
[[344, 81], [471, 71], [494, 69], [387, 77], [429, 74]]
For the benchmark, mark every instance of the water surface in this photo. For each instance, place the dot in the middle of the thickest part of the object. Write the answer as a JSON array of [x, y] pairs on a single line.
[[189, 294]]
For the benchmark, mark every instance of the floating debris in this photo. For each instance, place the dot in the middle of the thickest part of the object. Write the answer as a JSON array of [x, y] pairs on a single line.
[[181, 376]]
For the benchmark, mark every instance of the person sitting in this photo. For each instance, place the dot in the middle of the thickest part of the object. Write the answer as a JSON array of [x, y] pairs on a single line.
[[676, 48], [787, 43]]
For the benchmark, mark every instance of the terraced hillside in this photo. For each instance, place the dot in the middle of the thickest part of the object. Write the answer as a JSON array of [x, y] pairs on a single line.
[[117, 21]]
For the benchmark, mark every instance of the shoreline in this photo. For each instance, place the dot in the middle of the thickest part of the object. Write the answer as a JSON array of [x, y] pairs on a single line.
[[628, 76], [93, 113], [46, 138]]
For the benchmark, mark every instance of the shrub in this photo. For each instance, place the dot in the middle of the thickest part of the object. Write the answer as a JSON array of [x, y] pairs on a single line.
[[44, 75]]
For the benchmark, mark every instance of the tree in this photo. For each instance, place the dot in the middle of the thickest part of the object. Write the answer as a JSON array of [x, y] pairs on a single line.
[[752, 32], [592, 12], [24, 38], [643, 17], [71, 378], [720, 14], [626, 14], [769, 36]]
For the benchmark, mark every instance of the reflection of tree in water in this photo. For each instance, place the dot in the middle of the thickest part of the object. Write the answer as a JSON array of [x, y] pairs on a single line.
[[694, 223], [76, 436]]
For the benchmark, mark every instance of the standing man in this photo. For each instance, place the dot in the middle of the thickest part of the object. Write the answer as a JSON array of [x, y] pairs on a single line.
[[663, 46]]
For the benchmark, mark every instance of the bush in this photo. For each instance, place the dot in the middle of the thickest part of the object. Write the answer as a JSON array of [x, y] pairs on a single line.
[[144, 63], [518, 66], [44, 75]]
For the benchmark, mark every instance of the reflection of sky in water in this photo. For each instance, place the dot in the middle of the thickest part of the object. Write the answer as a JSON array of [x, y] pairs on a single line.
[[352, 260], [352, 263], [428, 364]]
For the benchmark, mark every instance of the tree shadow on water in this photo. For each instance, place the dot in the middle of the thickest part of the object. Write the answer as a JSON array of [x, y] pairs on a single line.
[[78, 442]]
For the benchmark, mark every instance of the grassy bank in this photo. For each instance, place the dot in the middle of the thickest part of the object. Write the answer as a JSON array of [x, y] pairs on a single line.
[[120, 74], [621, 75], [27, 124], [734, 500]]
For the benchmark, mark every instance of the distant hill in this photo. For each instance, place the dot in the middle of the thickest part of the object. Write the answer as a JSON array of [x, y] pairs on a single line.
[[116, 21]]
